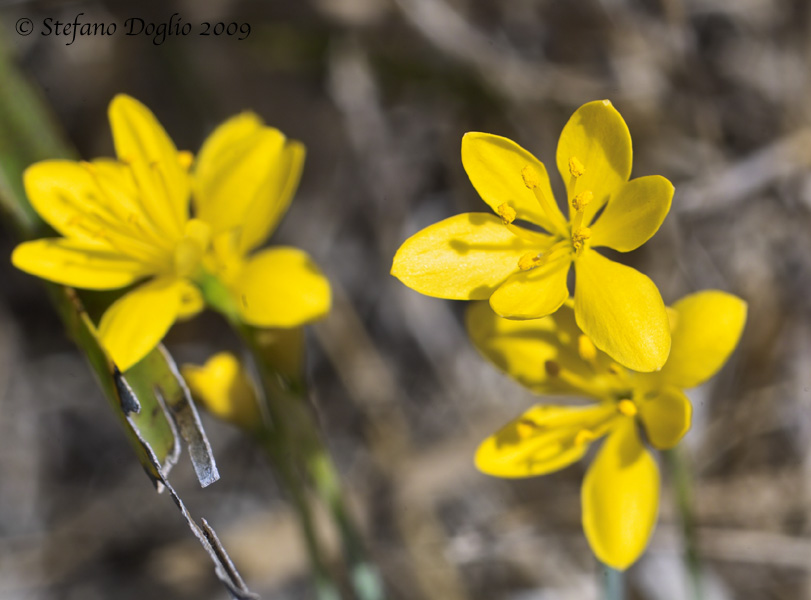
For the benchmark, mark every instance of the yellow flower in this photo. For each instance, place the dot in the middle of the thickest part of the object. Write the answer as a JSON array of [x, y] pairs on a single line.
[[223, 387], [244, 178], [476, 256], [620, 493], [127, 220], [121, 221]]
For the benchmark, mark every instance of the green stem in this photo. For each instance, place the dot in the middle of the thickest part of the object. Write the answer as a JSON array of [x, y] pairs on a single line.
[[613, 583], [679, 466]]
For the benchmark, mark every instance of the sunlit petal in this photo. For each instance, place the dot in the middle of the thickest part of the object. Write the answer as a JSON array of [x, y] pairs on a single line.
[[666, 417], [533, 294]]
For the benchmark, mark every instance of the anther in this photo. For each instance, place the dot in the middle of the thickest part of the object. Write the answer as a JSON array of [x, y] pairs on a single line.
[[582, 200], [525, 428], [576, 168], [185, 158], [506, 212], [579, 237], [531, 179], [584, 436], [586, 348], [552, 368], [627, 408], [530, 260]]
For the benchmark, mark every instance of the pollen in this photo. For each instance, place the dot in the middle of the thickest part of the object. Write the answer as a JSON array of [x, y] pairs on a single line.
[[584, 436], [529, 261], [506, 212], [586, 348], [576, 168], [531, 179], [582, 200], [580, 236], [627, 408]]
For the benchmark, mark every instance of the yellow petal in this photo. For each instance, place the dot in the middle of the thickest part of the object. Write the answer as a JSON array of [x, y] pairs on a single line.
[[621, 310], [542, 440], [465, 257], [597, 137], [495, 164], [141, 142], [238, 167], [135, 323], [268, 208], [620, 498], [707, 328], [77, 263], [533, 294], [634, 214], [666, 417], [522, 348], [282, 287], [223, 387]]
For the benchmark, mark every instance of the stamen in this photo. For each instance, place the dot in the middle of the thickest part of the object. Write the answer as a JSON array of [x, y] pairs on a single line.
[[185, 158], [533, 182], [576, 168], [586, 349], [591, 387], [529, 261], [506, 212], [584, 436], [627, 408], [579, 238], [582, 200], [526, 428]]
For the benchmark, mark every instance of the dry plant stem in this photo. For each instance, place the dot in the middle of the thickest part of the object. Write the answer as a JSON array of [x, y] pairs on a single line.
[[679, 466], [613, 584]]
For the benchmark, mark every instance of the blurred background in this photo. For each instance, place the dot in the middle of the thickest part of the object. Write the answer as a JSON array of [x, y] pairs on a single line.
[[715, 93]]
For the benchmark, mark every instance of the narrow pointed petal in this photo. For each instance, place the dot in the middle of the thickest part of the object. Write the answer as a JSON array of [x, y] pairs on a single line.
[[620, 498], [634, 214], [522, 348], [542, 440], [141, 142], [237, 167], [77, 263], [495, 164], [621, 310], [707, 328], [267, 209], [598, 138], [135, 323], [533, 294], [666, 417], [464, 257], [282, 287]]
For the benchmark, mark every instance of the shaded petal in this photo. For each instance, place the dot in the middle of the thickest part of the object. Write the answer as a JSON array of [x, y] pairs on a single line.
[[77, 263], [542, 440], [269, 207], [621, 310], [494, 165], [707, 328], [522, 348], [465, 257], [237, 167], [141, 142], [282, 287], [634, 214], [225, 390], [666, 417], [597, 136], [135, 323], [533, 294], [620, 498]]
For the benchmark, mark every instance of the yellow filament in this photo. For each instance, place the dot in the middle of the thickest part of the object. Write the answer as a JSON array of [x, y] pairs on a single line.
[[591, 387], [533, 182]]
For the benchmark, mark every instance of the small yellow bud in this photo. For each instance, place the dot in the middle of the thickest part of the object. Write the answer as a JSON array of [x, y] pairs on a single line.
[[531, 179], [506, 212], [582, 200], [576, 168], [627, 407], [529, 261]]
